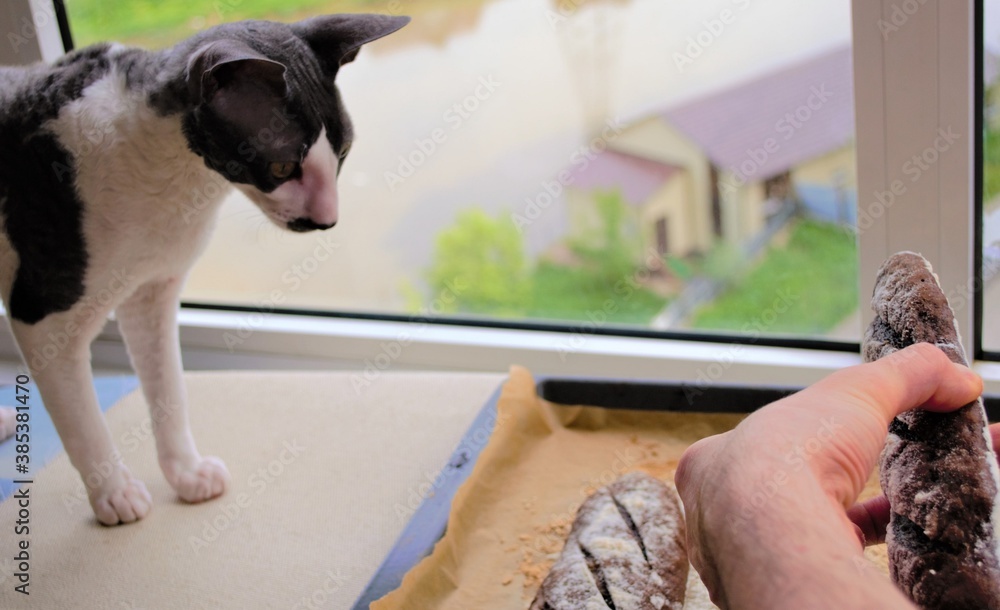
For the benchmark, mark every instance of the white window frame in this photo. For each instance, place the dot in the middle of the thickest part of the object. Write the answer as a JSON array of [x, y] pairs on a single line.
[[910, 82]]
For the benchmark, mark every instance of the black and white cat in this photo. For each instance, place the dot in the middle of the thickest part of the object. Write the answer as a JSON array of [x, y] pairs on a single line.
[[113, 163]]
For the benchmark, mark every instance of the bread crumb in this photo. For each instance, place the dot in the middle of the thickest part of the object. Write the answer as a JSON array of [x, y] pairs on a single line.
[[541, 548], [507, 580]]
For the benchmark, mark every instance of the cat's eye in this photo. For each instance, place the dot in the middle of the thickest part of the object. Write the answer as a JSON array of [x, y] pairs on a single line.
[[281, 170]]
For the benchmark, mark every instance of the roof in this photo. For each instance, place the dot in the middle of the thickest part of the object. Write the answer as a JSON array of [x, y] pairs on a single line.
[[635, 177], [731, 123]]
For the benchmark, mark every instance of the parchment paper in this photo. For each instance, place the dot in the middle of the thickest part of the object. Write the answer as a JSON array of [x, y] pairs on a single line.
[[509, 520]]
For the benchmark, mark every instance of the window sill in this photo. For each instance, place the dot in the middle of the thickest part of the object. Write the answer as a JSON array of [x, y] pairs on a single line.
[[214, 340]]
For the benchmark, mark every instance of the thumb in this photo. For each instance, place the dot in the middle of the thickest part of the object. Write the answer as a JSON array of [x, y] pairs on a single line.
[[919, 376]]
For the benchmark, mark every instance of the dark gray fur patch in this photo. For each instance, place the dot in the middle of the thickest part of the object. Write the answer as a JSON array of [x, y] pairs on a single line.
[[311, 102], [43, 215], [41, 208]]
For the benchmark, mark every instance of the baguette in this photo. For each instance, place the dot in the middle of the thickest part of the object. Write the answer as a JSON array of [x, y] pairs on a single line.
[[938, 470], [625, 551]]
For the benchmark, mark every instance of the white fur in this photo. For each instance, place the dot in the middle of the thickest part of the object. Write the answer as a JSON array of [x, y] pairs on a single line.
[[314, 196], [149, 207]]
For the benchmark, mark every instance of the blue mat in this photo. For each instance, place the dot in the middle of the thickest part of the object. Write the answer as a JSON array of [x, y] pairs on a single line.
[[44, 442]]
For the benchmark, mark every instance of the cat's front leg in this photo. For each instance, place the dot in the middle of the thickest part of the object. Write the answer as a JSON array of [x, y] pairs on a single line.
[[148, 321], [61, 369]]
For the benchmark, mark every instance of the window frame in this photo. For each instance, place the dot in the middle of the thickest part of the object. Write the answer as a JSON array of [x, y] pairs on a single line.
[[216, 337]]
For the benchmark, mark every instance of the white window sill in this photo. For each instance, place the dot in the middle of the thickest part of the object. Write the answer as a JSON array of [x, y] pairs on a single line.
[[214, 340]]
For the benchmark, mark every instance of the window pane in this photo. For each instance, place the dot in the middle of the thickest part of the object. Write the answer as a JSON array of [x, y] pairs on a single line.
[[991, 177], [666, 165]]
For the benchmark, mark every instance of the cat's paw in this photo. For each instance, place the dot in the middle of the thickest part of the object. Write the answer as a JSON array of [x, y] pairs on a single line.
[[197, 480], [120, 499]]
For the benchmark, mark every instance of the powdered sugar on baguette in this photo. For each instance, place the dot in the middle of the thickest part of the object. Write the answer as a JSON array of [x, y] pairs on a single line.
[[942, 538]]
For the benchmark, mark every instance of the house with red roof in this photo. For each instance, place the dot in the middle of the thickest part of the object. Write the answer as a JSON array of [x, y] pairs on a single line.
[[715, 168]]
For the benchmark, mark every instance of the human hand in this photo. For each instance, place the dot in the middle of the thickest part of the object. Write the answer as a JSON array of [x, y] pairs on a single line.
[[871, 517], [766, 503]]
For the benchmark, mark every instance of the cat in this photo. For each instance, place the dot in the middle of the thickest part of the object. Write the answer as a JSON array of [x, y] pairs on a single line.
[[113, 164]]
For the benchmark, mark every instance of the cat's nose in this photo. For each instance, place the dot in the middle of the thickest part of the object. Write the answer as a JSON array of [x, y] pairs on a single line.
[[302, 225]]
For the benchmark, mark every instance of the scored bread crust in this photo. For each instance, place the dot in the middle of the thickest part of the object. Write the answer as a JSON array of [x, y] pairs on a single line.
[[938, 470], [625, 551]]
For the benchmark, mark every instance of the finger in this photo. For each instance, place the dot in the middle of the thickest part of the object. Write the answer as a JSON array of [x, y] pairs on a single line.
[[995, 434], [871, 517], [696, 458], [919, 376]]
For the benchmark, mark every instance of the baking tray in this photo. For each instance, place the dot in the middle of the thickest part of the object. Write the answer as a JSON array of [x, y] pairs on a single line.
[[428, 523]]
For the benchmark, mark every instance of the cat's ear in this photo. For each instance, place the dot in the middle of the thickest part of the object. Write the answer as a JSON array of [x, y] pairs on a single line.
[[336, 39], [228, 65]]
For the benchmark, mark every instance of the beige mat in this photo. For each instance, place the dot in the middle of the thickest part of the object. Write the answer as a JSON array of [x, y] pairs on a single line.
[[322, 480]]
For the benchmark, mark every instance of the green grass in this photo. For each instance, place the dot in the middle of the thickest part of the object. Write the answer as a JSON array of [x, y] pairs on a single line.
[[806, 287], [161, 23], [579, 293], [991, 168]]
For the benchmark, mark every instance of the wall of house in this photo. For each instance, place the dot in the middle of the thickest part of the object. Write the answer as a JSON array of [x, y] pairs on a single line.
[[742, 211], [654, 138], [827, 186], [826, 168], [672, 202]]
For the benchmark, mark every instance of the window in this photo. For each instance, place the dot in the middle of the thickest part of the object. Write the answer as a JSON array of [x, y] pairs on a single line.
[[911, 67], [661, 166], [990, 272]]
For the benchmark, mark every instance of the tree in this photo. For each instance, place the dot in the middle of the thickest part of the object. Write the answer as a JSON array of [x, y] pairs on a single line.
[[479, 266], [612, 249]]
